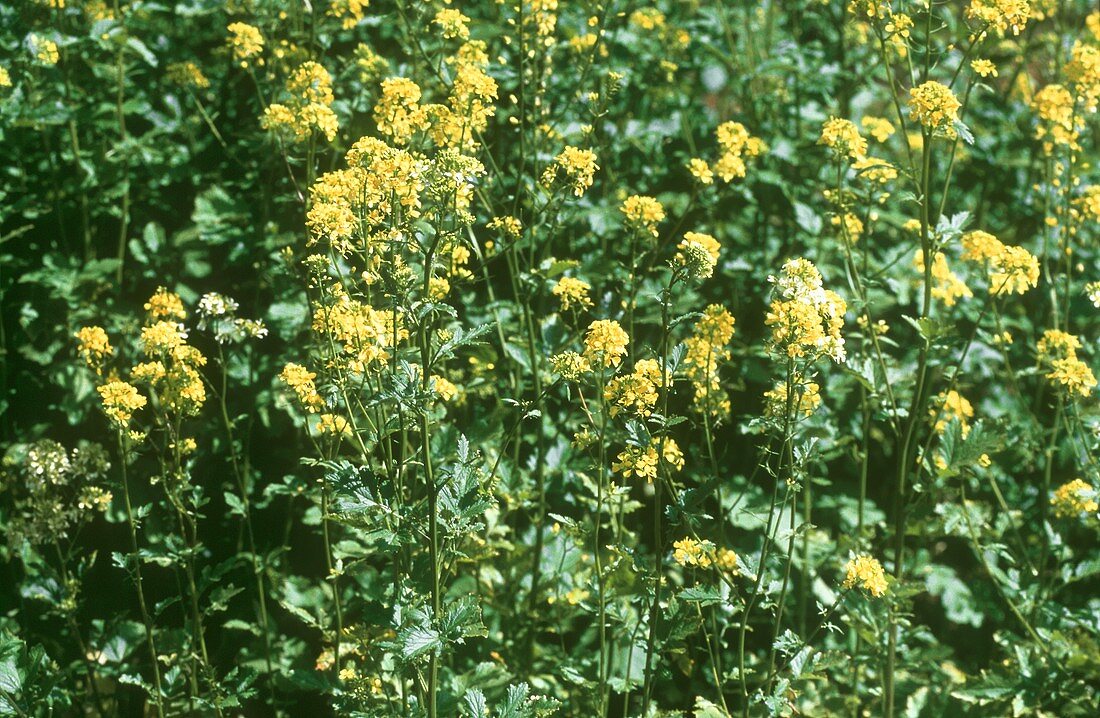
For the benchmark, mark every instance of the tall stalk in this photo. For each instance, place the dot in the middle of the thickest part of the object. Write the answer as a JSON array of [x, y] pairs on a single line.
[[135, 557]]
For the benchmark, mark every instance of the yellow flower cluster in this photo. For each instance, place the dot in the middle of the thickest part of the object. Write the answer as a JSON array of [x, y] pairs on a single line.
[[643, 213], [1002, 15], [1058, 354], [349, 12], [635, 392], [605, 343], [952, 406], [300, 380], [878, 127], [843, 138], [705, 348], [120, 401], [737, 146], [948, 287], [332, 425], [43, 50], [697, 255], [246, 43], [642, 461], [172, 366], [866, 573], [1011, 270], [984, 67], [805, 399], [875, 171], [187, 74], [1058, 125], [165, 305], [579, 167], [805, 318], [1074, 498], [703, 554], [572, 293], [379, 183], [465, 116], [542, 15], [398, 112], [569, 365], [1083, 73], [308, 108], [934, 106], [94, 346], [365, 333], [452, 23]]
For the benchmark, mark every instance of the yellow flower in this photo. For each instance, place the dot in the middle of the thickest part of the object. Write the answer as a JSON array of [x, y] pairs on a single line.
[[569, 365], [332, 424], [572, 293], [5, 77], [452, 23], [726, 560], [246, 42], [979, 246], [444, 388], [1013, 271], [948, 287], [165, 305], [162, 337], [843, 138], [308, 108], [1058, 121], [737, 145], [1058, 352], [701, 171], [300, 380], [934, 106], [640, 461], [1074, 498], [1003, 15], [398, 113], [805, 318], [94, 346], [635, 392], [879, 128], [875, 170], [866, 572], [1072, 374], [983, 67], [953, 406], [689, 552], [579, 166], [805, 401], [187, 74], [120, 401], [605, 343], [697, 255], [705, 348], [43, 50], [643, 213], [350, 12]]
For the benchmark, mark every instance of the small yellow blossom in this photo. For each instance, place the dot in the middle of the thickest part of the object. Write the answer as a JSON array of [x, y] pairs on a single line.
[[1075, 498], [934, 106], [605, 343], [572, 293], [866, 573]]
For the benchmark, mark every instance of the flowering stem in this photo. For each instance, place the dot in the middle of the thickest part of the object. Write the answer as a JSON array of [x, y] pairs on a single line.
[[658, 499], [134, 554]]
